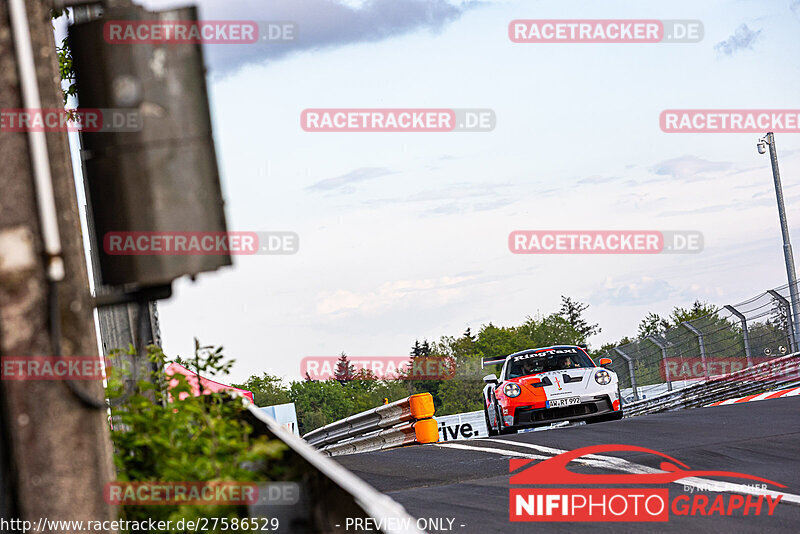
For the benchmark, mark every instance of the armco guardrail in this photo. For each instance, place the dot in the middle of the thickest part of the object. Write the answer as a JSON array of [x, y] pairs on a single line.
[[398, 423], [329, 493], [424, 431], [762, 377]]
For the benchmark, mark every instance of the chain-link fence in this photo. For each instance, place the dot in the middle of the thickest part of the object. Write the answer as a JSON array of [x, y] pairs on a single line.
[[731, 338]]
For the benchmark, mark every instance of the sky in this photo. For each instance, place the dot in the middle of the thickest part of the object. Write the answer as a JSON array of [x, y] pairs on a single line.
[[403, 236]]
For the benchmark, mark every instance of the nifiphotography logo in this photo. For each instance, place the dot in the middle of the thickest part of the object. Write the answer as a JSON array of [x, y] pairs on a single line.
[[588, 502]]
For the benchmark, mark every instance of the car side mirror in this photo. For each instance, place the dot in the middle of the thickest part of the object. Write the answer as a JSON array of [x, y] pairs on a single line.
[[605, 362], [490, 379]]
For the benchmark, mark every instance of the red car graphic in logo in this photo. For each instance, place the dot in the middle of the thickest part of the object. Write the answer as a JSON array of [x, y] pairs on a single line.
[[619, 504], [555, 469]]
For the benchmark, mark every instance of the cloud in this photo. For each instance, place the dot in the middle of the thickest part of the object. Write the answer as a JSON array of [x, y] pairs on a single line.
[[463, 198], [400, 293], [742, 39], [689, 168], [456, 208], [741, 205], [598, 179], [795, 6], [455, 198], [494, 204], [714, 208], [645, 290], [341, 184], [319, 23], [451, 208], [459, 190]]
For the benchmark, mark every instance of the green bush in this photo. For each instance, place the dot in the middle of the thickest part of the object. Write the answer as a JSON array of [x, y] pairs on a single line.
[[159, 436]]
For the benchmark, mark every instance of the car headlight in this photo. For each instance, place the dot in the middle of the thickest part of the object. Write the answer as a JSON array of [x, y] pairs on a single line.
[[602, 377], [512, 390]]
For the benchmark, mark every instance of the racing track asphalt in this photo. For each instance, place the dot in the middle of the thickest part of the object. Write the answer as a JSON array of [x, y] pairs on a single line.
[[472, 486]]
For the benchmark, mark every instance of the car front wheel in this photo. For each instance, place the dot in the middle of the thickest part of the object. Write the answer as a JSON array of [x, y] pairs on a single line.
[[503, 430], [489, 428]]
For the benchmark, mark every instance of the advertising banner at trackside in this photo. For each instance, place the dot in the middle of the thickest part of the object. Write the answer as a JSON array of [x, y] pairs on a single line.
[[284, 414], [468, 425]]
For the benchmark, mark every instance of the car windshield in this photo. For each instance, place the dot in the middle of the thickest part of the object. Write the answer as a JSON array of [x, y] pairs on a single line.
[[550, 360]]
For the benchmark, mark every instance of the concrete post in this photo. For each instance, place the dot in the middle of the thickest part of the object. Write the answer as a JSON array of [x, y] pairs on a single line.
[[57, 447]]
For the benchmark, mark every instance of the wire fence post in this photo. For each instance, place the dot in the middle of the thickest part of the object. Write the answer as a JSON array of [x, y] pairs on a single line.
[[745, 333], [699, 335], [787, 246], [630, 372], [663, 348], [783, 303]]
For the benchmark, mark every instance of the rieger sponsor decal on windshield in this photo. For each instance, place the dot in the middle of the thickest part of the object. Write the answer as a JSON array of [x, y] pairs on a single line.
[[588, 502], [544, 353]]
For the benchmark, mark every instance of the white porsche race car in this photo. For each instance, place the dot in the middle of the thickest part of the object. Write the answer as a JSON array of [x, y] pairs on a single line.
[[547, 385]]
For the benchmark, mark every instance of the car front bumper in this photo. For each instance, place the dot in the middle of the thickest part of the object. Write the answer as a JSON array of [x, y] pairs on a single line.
[[588, 408]]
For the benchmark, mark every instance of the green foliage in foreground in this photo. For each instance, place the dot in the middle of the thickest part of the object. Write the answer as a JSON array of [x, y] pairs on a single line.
[[173, 436]]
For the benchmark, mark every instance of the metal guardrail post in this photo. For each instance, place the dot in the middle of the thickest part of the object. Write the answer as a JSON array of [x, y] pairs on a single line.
[[745, 333], [788, 309], [699, 335], [630, 372], [663, 348]]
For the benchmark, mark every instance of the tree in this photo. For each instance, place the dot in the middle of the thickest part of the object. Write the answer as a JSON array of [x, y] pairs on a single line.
[[267, 390], [421, 349], [459, 396], [424, 359], [344, 369], [461, 392], [553, 329], [779, 317], [572, 312], [496, 342], [468, 335], [367, 392], [652, 325], [699, 309], [319, 402], [177, 435]]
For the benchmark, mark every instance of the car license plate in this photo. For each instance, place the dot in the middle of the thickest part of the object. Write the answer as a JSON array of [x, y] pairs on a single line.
[[558, 403]]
